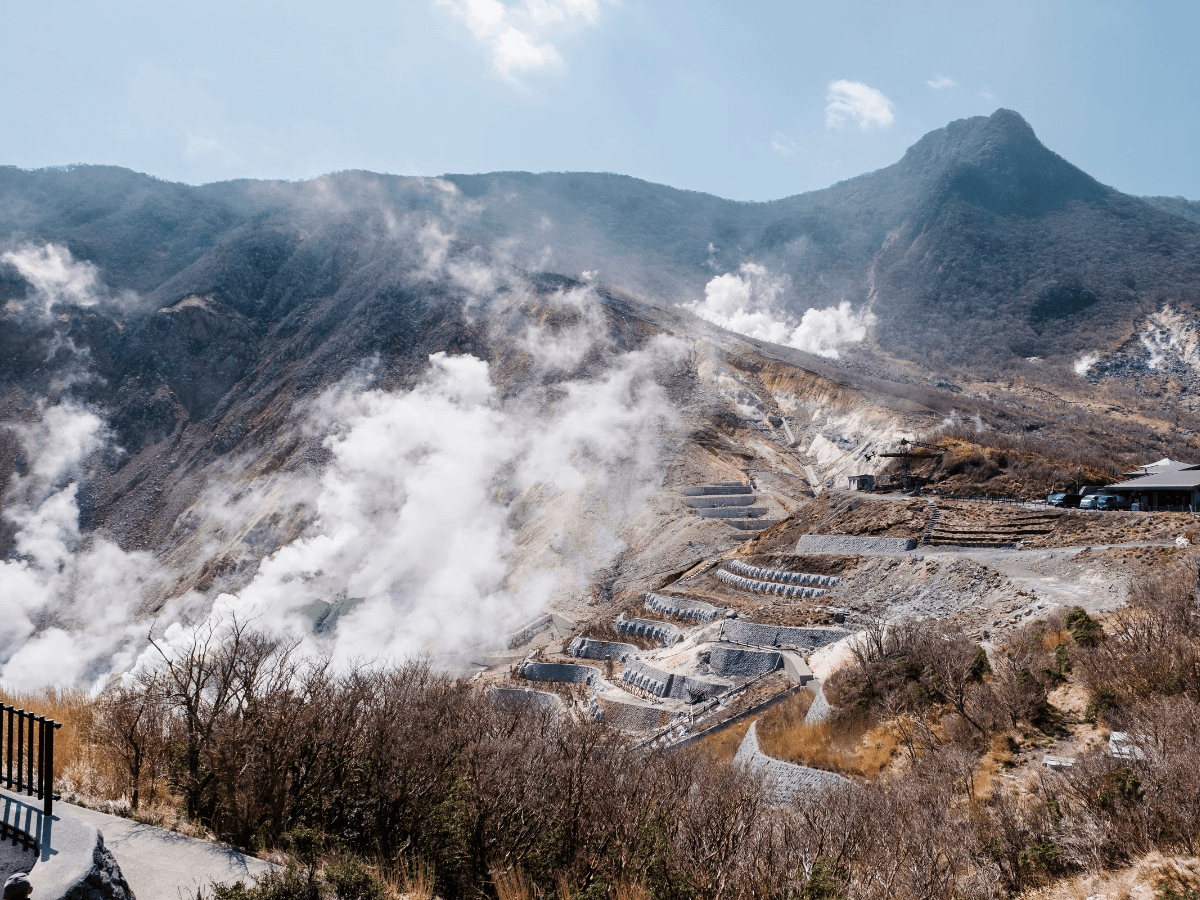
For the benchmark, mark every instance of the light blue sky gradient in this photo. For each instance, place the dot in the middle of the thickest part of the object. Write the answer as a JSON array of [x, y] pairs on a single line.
[[728, 98]]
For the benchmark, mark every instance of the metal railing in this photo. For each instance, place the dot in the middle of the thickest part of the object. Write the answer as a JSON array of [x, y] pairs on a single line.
[[27, 754]]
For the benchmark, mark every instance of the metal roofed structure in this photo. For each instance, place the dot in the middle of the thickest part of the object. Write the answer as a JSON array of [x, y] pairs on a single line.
[[1167, 485], [1166, 464]]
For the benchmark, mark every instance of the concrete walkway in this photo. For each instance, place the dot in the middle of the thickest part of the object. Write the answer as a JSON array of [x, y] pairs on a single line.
[[163, 865]]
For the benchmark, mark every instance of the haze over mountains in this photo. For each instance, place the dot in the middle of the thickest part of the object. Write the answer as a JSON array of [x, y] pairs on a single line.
[[199, 377]]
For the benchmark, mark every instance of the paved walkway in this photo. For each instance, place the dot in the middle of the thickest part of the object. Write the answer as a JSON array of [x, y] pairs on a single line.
[[163, 865]]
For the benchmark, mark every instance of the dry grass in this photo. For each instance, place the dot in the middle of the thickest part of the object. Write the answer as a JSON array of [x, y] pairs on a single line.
[[407, 879], [1153, 877], [851, 748], [723, 745], [511, 884], [80, 766]]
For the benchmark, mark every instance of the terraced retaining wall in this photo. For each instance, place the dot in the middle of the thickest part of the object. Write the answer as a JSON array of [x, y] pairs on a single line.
[[661, 631], [584, 648], [560, 672], [695, 690], [714, 500], [780, 636], [647, 677], [845, 543], [744, 568], [767, 587], [684, 609], [738, 662], [731, 512], [785, 780], [518, 698], [721, 487], [630, 717]]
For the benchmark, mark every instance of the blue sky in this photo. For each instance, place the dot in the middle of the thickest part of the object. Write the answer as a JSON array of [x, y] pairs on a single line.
[[751, 101]]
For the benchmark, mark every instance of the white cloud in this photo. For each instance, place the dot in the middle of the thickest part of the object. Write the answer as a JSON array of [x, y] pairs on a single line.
[[517, 37], [749, 304], [941, 82], [783, 147], [854, 103]]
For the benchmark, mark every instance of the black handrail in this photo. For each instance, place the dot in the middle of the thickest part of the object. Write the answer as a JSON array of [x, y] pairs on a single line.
[[33, 751]]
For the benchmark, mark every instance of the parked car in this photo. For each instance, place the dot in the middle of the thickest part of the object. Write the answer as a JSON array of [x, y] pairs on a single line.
[[1111, 501], [1088, 502], [1056, 499], [1071, 500]]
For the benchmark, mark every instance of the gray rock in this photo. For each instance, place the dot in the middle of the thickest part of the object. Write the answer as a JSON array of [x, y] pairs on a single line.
[[17, 887]]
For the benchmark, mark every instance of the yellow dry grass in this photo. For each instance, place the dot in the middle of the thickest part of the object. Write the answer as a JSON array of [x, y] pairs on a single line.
[[853, 748], [723, 745], [1152, 877], [77, 761]]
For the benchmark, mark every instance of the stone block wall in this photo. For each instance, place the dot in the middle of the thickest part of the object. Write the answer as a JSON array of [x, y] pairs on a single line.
[[519, 698], [785, 781], [695, 690], [584, 648], [647, 677], [767, 587], [631, 717], [742, 567], [845, 543], [662, 631], [738, 662], [536, 671], [684, 609], [756, 635]]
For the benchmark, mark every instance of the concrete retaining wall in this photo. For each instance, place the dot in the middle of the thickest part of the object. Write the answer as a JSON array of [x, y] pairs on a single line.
[[683, 609], [73, 863], [630, 717], [845, 543], [732, 512], [767, 587], [665, 632], [585, 648], [721, 487], [785, 781], [647, 677], [560, 672], [695, 690], [744, 568], [516, 697], [738, 662], [713, 501], [756, 635]]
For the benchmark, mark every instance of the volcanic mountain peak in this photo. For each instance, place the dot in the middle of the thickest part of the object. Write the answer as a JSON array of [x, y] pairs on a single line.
[[998, 163]]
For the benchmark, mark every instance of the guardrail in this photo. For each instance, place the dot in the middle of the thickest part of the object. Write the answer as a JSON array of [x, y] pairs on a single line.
[[27, 754]]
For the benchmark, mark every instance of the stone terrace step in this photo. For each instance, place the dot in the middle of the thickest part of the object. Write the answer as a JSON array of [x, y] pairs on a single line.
[[728, 487]]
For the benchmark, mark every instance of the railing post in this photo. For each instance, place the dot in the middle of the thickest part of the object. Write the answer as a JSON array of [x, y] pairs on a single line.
[[8, 779], [48, 803], [20, 747], [41, 756], [29, 777]]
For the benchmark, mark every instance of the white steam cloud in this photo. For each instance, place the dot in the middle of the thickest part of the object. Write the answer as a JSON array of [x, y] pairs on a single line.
[[1084, 364], [54, 275], [66, 603], [748, 303], [456, 514], [854, 103]]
